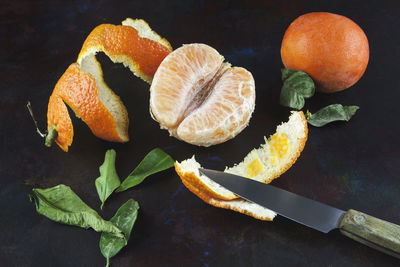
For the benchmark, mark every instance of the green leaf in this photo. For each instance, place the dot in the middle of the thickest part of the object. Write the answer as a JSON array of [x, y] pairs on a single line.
[[297, 86], [108, 180], [124, 219], [286, 73], [334, 112], [156, 161], [61, 204]]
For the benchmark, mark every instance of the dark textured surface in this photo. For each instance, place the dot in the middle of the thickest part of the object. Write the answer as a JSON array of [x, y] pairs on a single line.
[[347, 165]]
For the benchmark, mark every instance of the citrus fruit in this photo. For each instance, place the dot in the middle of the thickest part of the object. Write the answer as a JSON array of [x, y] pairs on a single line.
[[331, 48], [264, 164], [200, 99], [82, 86]]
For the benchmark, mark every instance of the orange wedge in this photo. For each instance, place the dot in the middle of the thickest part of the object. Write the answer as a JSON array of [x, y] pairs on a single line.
[[83, 89], [264, 164]]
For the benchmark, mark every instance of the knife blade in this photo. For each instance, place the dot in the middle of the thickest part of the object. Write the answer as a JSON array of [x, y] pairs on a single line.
[[371, 231]]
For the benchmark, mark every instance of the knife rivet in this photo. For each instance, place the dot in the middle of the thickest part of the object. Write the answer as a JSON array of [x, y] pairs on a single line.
[[359, 218]]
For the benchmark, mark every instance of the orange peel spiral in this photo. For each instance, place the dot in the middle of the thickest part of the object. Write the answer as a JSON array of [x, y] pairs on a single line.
[[82, 86]]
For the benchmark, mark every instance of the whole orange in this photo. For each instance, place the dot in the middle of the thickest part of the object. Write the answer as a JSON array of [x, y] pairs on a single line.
[[331, 48]]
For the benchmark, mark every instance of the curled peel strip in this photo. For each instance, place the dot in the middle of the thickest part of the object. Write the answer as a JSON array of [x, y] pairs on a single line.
[[83, 89]]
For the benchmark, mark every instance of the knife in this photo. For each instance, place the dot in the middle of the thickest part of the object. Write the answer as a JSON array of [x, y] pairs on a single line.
[[366, 229]]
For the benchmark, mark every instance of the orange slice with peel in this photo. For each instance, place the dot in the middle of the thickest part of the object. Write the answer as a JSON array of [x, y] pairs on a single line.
[[264, 164], [82, 86]]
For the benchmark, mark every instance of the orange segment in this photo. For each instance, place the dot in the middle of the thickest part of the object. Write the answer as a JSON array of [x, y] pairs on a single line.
[[179, 80], [225, 113], [82, 86]]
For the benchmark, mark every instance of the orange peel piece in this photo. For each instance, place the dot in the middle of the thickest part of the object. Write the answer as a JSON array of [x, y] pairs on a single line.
[[82, 86], [264, 164], [238, 205], [133, 44]]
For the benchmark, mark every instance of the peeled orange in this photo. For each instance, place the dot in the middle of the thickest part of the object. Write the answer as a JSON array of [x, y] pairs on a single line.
[[264, 164], [82, 86], [200, 99]]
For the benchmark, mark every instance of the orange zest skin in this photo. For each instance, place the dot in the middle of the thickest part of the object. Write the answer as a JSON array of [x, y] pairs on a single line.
[[58, 116], [78, 90], [81, 83], [124, 41], [203, 187], [187, 180]]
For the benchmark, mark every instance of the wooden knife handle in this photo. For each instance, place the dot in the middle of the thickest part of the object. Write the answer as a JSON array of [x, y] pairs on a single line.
[[371, 231]]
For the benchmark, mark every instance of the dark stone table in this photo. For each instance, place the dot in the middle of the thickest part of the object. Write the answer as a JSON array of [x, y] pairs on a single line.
[[347, 165]]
